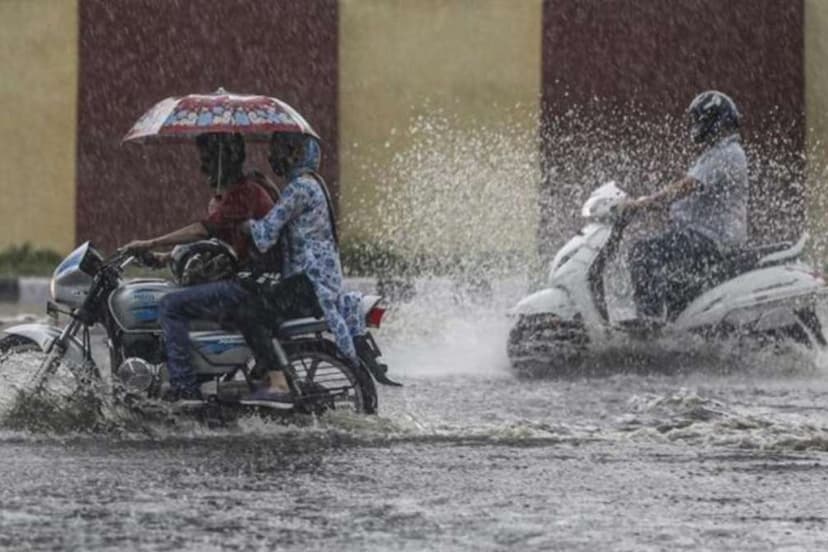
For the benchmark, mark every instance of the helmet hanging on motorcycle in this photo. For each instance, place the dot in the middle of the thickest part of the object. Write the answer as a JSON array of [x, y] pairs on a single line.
[[202, 262], [712, 114]]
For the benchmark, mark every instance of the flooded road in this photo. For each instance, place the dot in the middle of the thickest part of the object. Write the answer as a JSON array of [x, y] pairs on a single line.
[[720, 453]]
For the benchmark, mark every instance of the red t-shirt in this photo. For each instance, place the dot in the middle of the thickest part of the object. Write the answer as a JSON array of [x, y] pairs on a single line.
[[245, 200]]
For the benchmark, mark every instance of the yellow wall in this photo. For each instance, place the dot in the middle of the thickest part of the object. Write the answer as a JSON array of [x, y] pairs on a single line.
[[472, 68], [816, 105], [38, 94]]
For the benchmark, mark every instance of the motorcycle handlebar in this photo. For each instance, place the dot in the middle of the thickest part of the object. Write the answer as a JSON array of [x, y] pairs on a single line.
[[121, 259]]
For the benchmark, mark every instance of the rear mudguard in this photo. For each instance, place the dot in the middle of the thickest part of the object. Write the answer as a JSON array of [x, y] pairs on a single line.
[[369, 353], [43, 335], [379, 374], [771, 294]]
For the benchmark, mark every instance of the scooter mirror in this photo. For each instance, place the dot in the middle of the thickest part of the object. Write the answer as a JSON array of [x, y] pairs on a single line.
[[601, 202]]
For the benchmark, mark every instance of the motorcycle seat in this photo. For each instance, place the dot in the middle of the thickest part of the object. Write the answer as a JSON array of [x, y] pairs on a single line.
[[205, 326], [301, 326]]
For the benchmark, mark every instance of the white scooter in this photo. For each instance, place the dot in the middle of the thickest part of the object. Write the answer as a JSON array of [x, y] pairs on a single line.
[[763, 292]]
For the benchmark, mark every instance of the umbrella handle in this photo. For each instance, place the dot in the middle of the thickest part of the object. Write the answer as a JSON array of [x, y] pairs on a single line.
[[218, 177]]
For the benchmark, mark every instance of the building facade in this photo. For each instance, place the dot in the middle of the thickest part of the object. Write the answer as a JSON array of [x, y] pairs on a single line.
[[472, 123]]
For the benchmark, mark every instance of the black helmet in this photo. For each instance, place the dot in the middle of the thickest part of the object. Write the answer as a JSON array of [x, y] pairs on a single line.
[[202, 262], [712, 113]]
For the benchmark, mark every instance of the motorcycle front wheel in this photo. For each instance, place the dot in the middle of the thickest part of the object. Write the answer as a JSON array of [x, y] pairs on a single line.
[[39, 374]]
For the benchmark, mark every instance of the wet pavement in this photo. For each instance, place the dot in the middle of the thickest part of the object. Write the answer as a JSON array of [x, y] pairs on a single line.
[[716, 450]]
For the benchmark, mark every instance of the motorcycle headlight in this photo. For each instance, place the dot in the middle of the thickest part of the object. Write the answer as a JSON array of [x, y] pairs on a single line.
[[52, 288]]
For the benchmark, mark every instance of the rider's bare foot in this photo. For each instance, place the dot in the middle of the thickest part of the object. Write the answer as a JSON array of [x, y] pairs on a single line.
[[277, 381]]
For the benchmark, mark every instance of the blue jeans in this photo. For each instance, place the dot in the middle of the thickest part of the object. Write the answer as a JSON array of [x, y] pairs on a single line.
[[213, 301]]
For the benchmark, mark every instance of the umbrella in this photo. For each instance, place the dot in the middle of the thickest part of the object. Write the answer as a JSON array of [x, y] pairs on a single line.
[[184, 117]]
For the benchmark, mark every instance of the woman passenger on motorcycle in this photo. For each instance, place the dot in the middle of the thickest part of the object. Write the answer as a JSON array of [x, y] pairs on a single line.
[[304, 214], [236, 198]]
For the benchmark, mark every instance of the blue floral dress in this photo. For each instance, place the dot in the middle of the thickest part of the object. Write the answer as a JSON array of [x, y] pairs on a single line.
[[310, 247]]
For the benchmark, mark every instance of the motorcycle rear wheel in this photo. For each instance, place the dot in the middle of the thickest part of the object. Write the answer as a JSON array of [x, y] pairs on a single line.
[[328, 380]]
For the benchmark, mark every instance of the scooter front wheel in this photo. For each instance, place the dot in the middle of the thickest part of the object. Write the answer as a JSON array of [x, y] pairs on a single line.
[[543, 345]]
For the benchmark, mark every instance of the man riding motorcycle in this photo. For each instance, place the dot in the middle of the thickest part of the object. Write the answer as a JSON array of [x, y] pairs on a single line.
[[310, 252], [236, 198], [708, 209]]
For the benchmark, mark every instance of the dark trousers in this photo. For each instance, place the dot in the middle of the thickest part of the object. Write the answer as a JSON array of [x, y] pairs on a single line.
[[256, 309], [667, 269], [267, 305], [214, 301]]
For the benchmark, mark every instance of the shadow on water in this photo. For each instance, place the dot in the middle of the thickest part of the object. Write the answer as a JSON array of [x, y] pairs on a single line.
[[41, 413], [688, 355]]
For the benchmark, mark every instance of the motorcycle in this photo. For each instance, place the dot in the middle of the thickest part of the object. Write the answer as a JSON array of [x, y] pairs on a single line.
[[764, 292], [93, 292]]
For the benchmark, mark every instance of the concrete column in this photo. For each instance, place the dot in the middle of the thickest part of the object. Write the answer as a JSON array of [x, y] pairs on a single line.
[[38, 92], [816, 104]]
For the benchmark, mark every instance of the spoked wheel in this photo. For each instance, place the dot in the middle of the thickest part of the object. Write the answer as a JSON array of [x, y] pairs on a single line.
[[327, 380], [44, 366]]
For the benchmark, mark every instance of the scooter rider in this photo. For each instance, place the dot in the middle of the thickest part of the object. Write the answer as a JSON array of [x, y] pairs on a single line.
[[708, 208], [236, 198], [304, 215]]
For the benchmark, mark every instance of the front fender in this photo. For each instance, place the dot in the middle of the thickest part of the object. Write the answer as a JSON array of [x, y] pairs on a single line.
[[547, 301], [43, 335]]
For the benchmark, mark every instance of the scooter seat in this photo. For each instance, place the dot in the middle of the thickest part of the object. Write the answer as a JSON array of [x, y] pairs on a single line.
[[744, 260], [767, 249]]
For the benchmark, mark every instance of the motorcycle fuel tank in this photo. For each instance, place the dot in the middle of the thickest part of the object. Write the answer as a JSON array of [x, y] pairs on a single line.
[[135, 304]]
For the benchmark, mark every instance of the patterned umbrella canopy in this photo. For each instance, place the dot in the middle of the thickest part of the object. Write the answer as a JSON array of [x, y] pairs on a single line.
[[183, 118]]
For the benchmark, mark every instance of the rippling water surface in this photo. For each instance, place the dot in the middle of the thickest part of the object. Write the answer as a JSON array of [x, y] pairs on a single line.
[[708, 450]]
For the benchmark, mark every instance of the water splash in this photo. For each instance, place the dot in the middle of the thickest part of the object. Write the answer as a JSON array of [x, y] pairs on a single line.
[[462, 204], [460, 197], [690, 418], [591, 144]]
